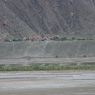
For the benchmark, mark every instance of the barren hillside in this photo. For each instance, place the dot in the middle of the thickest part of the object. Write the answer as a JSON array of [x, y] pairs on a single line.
[[24, 18]]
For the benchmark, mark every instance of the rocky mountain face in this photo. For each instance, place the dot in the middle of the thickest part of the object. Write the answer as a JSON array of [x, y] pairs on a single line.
[[24, 18]]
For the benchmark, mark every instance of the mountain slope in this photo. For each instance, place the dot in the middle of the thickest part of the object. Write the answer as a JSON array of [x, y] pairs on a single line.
[[24, 18]]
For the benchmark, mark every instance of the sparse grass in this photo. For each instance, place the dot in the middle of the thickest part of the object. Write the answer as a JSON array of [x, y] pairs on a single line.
[[47, 67]]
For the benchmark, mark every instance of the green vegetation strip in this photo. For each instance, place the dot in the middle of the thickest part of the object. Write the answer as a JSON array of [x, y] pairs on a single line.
[[47, 67]]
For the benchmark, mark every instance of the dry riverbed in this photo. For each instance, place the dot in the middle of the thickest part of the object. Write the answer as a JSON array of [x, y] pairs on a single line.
[[47, 83]]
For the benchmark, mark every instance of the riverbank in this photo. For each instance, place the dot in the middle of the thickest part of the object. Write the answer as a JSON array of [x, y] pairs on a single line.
[[47, 67]]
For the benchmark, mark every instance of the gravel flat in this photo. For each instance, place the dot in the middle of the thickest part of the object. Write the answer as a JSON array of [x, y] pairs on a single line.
[[46, 60], [47, 83]]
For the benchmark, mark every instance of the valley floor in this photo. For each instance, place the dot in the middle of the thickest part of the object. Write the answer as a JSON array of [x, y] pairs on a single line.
[[47, 83], [47, 60]]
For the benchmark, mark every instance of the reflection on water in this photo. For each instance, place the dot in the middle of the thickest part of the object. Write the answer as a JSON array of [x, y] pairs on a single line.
[[61, 91]]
